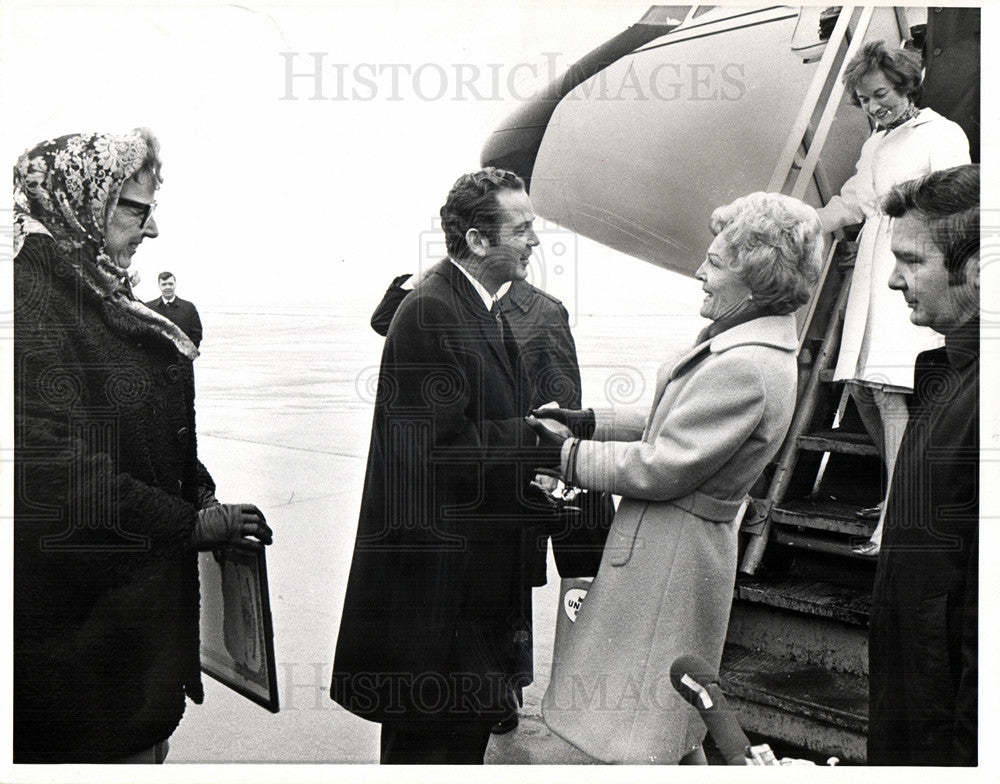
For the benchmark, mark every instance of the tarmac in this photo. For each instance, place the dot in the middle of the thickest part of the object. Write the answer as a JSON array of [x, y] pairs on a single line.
[[284, 416], [307, 569], [278, 429]]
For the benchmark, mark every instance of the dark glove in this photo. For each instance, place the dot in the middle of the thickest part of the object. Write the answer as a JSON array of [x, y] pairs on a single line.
[[551, 433], [225, 523], [582, 423]]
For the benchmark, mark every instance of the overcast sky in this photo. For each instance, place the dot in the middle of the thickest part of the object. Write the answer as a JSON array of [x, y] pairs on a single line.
[[272, 197]]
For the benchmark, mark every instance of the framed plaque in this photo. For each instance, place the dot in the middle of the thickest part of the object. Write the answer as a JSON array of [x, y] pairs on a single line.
[[237, 639]]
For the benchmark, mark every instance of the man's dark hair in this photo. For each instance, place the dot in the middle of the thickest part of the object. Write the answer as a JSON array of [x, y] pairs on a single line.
[[472, 203], [164, 275], [949, 202]]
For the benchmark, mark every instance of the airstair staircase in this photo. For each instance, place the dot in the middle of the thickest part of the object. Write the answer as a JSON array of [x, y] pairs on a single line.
[[795, 665]]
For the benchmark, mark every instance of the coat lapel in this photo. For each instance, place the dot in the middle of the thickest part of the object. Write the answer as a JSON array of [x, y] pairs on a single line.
[[471, 304], [775, 331]]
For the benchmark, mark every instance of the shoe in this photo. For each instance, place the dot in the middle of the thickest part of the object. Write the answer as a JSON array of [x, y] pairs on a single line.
[[870, 512], [869, 549], [505, 724]]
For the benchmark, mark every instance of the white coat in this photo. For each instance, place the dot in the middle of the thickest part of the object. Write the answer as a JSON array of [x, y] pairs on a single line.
[[879, 344], [665, 584]]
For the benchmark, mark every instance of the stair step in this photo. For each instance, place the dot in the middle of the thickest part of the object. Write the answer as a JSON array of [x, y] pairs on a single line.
[[823, 515], [812, 597], [841, 441], [820, 709], [819, 544]]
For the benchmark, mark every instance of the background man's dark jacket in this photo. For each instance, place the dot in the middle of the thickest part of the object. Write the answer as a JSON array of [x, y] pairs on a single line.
[[437, 614], [183, 313], [540, 323], [923, 653]]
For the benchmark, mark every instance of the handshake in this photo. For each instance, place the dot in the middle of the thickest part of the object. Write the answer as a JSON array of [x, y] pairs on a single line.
[[554, 425]]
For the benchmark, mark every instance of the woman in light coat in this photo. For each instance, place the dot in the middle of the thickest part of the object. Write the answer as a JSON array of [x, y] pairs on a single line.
[[719, 415], [879, 344]]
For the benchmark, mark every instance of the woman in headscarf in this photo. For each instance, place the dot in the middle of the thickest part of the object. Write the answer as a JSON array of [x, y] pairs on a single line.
[[111, 503], [879, 344], [720, 412]]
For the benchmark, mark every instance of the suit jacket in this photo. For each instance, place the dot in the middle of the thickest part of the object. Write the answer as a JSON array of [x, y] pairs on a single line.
[[437, 613], [665, 584], [922, 640], [183, 313]]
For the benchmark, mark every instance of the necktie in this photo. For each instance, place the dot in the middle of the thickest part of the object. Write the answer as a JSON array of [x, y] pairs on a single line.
[[498, 316], [505, 333]]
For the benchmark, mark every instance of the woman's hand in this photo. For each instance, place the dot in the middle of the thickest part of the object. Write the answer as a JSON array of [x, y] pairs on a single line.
[[581, 423], [550, 431], [224, 523]]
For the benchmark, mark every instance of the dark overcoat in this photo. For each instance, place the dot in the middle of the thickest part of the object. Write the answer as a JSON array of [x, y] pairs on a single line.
[[183, 313], [540, 323], [923, 633], [107, 478], [437, 614]]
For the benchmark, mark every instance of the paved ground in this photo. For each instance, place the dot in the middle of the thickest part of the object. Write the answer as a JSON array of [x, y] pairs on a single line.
[[284, 417], [311, 497]]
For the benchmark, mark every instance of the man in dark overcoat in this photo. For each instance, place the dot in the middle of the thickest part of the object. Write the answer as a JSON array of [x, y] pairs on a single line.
[[183, 313], [923, 652], [435, 637], [540, 323]]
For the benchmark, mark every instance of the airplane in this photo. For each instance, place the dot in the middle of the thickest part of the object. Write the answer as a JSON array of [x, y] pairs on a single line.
[[634, 146]]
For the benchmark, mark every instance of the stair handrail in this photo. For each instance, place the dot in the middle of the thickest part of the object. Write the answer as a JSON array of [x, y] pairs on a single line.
[[804, 410]]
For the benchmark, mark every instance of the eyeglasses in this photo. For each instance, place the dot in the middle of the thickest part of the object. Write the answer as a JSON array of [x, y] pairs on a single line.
[[145, 207]]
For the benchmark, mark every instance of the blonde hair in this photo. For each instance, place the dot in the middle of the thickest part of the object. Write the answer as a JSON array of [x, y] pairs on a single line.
[[776, 245]]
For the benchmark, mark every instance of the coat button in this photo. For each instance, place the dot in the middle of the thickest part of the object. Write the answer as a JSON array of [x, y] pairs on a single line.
[[937, 50], [180, 485], [172, 373], [182, 435]]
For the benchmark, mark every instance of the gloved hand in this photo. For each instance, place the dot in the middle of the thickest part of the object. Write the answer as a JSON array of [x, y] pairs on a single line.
[[550, 431], [581, 423], [225, 523]]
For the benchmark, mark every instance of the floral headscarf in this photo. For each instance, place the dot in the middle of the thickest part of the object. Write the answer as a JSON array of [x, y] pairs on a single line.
[[67, 188]]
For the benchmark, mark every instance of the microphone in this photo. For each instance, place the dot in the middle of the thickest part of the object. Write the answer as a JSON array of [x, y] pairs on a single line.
[[698, 683]]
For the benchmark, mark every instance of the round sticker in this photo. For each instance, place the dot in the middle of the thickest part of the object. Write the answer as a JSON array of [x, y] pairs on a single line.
[[572, 601]]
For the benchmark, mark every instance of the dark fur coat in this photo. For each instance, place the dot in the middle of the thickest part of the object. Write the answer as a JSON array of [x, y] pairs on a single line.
[[106, 487]]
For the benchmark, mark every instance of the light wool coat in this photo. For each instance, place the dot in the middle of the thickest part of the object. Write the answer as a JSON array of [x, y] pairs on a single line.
[[665, 585], [879, 343]]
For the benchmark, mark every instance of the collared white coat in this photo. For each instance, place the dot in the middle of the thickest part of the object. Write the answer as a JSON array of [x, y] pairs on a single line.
[[879, 344], [665, 585]]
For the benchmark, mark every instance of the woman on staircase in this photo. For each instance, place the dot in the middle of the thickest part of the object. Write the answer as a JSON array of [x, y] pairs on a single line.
[[879, 345]]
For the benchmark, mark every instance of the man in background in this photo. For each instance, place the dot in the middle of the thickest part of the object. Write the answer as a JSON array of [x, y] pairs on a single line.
[[922, 645], [183, 313]]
